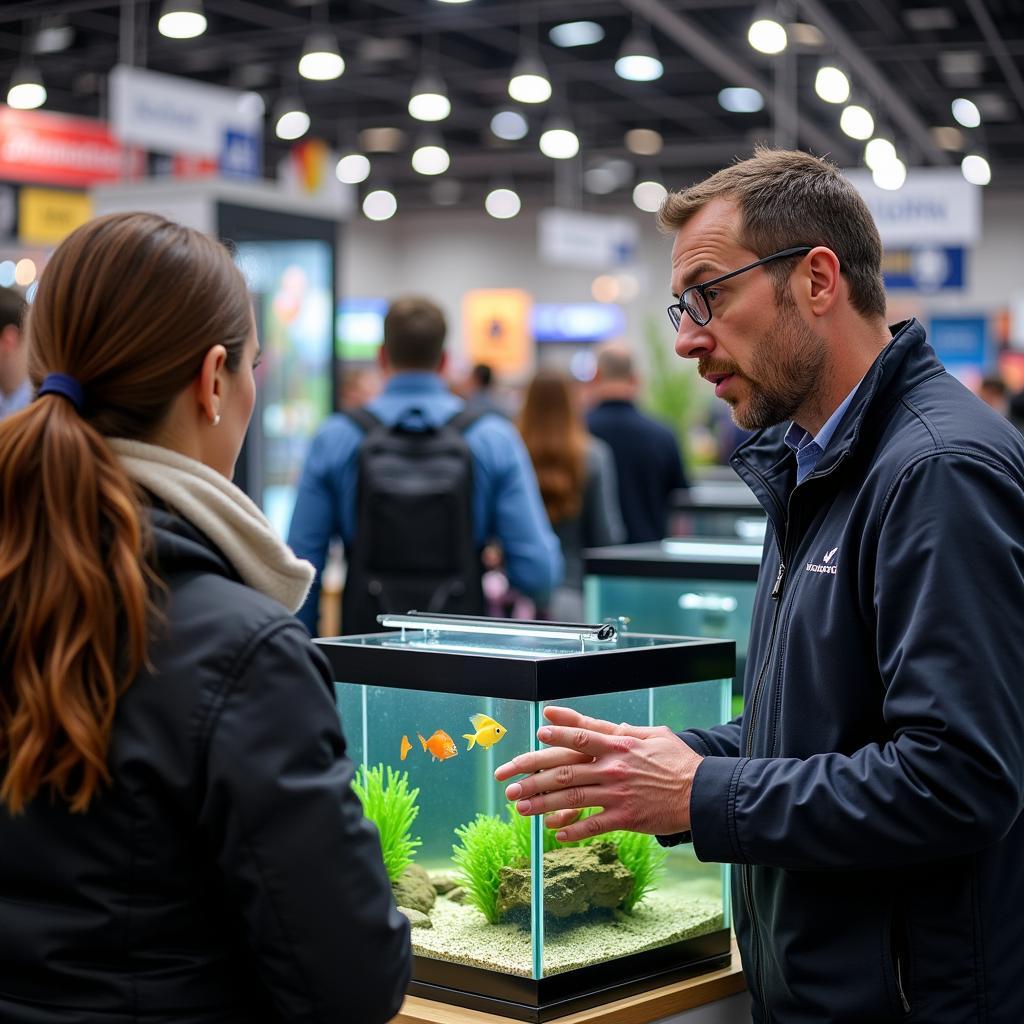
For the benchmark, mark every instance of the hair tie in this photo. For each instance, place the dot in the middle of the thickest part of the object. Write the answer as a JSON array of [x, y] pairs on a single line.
[[66, 386]]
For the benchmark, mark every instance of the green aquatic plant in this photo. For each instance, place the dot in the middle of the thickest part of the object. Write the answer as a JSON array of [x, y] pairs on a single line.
[[487, 844], [521, 827], [645, 857], [390, 804]]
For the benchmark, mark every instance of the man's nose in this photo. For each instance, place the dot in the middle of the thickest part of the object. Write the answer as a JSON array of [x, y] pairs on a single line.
[[692, 340]]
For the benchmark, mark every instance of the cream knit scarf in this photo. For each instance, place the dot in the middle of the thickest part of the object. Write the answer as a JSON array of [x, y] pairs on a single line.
[[225, 514]]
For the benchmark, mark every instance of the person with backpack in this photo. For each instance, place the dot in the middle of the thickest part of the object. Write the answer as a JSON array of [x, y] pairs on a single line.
[[415, 485]]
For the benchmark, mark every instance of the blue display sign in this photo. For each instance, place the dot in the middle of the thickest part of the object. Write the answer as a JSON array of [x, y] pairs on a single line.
[[577, 321], [961, 341], [924, 269], [241, 155]]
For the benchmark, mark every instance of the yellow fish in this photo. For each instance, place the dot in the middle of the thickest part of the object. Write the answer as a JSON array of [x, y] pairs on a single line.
[[406, 747], [440, 745], [488, 732]]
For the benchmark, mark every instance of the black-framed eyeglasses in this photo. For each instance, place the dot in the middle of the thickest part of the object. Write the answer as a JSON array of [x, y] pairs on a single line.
[[694, 299]]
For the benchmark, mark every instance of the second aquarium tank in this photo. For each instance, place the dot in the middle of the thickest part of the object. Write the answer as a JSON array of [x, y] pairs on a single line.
[[504, 918]]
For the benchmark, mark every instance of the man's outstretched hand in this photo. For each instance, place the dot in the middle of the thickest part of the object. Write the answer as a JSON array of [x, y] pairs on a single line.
[[640, 776]]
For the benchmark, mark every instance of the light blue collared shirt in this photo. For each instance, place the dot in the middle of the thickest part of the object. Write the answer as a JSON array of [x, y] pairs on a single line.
[[810, 449], [16, 400]]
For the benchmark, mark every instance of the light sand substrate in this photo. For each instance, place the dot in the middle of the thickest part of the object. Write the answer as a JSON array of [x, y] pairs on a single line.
[[461, 934]]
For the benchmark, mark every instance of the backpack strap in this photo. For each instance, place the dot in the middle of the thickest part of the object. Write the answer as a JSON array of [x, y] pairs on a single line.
[[465, 418], [363, 418]]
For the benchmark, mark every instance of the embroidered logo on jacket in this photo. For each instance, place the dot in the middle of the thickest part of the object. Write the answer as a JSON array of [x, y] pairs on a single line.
[[826, 565]]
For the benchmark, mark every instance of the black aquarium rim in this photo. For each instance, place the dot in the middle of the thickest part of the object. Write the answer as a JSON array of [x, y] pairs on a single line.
[[506, 677]]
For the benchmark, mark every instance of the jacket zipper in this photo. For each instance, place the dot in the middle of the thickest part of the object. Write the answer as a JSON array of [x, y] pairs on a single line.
[[904, 1002], [746, 871]]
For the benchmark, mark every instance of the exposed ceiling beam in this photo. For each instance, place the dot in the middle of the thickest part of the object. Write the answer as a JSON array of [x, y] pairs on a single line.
[[687, 34], [995, 44], [904, 116]]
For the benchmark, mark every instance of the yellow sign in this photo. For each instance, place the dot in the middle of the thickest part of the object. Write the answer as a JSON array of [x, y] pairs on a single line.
[[47, 216], [496, 326]]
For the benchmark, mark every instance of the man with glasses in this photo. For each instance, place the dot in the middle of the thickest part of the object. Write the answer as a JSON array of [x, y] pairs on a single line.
[[870, 795]]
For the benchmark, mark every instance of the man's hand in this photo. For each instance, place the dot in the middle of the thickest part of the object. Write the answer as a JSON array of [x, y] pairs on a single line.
[[640, 776]]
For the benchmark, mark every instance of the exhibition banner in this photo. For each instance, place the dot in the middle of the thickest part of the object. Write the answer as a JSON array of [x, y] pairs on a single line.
[[54, 149], [934, 206], [47, 216], [179, 115], [572, 238], [496, 329]]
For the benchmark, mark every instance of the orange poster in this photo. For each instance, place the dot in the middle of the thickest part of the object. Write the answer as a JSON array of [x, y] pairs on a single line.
[[496, 327]]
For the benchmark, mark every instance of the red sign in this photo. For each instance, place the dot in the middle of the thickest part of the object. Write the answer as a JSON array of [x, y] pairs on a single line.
[[55, 149]]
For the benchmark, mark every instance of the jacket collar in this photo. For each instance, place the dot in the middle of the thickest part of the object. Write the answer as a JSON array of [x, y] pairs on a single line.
[[767, 465]]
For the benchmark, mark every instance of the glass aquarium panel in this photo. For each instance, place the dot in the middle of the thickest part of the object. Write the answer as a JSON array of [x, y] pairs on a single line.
[[622, 893], [717, 609], [448, 755]]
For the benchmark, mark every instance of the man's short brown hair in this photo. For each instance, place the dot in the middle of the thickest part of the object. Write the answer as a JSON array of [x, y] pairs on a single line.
[[788, 198], [12, 308], [414, 331]]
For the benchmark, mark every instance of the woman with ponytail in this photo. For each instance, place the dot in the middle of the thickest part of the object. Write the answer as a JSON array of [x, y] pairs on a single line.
[[178, 838]]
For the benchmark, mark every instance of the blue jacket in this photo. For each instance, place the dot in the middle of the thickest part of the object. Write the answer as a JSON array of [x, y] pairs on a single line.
[[870, 795], [648, 465], [506, 501]]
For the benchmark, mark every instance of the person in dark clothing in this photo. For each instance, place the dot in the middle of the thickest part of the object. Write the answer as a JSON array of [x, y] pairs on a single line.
[[871, 793], [647, 458], [179, 840]]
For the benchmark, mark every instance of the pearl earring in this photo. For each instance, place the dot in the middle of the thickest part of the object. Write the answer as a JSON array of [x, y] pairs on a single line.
[[215, 420]]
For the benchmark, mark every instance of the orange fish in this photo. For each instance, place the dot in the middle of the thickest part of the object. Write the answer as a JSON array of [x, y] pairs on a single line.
[[406, 747], [440, 745]]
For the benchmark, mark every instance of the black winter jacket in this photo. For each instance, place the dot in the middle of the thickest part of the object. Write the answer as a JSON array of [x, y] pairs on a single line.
[[228, 875], [871, 793]]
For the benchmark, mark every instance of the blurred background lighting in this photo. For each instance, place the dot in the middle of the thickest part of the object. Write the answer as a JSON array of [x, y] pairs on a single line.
[[890, 175], [604, 288], [380, 204], [559, 142], [352, 168], [740, 100], [24, 272], [638, 60], [576, 33], [857, 122], [290, 120], [430, 159], [766, 35], [976, 169], [509, 125], [321, 60], [529, 81], [831, 84], [879, 152], [27, 90], [429, 99], [966, 112], [502, 203], [644, 141], [182, 19], [648, 196]]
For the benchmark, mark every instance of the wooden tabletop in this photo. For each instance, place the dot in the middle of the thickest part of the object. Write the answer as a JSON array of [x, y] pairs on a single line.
[[644, 1008]]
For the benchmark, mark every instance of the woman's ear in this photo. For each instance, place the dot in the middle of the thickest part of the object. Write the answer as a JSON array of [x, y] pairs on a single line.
[[210, 383]]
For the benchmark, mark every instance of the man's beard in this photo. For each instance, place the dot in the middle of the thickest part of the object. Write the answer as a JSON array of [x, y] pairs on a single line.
[[786, 367]]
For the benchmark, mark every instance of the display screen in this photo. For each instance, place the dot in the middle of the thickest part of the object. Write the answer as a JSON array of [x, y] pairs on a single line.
[[577, 321], [359, 329], [291, 287]]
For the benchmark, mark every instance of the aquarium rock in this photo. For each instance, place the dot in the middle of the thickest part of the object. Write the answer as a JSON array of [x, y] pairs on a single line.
[[416, 917], [414, 889], [457, 895], [576, 879], [444, 882]]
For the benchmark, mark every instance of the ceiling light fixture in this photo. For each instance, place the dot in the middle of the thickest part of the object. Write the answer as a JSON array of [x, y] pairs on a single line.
[[27, 90], [879, 152], [430, 157], [509, 125], [966, 112], [352, 168], [290, 119], [975, 168], [529, 82], [857, 122], [380, 204], [649, 195], [558, 140], [831, 84], [321, 59], [503, 203], [767, 35], [429, 99], [644, 141], [738, 99], [182, 19], [576, 33], [638, 59], [891, 175]]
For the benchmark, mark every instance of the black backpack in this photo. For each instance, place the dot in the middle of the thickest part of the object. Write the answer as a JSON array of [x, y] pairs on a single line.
[[414, 546]]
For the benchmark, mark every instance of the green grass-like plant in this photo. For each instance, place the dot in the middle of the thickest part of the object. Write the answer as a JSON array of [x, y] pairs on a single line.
[[390, 804], [645, 857], [487, 844]]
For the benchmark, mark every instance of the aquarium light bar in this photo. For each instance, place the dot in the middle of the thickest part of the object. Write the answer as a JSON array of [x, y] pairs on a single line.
[[506, 627]]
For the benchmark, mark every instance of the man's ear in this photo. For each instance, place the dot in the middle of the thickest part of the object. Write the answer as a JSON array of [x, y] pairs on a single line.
[[823, 280], [443, 363]]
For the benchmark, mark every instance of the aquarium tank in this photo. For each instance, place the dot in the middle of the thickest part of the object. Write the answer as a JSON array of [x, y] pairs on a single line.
[[693, 586], [504, 918]]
